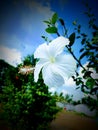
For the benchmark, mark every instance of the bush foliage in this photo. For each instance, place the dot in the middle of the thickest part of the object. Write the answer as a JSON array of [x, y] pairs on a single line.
[[27, 105]]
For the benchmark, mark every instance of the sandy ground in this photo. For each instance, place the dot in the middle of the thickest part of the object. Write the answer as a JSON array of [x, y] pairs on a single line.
[[71, 121], [66, 120]]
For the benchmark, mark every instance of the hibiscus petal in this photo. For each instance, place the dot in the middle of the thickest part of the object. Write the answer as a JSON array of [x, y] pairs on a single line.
[[65, 65], [38, 67], [57, 45], [51, 79], [42, 51]]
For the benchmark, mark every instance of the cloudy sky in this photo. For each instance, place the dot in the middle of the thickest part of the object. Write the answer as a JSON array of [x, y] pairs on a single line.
[[21, 27]]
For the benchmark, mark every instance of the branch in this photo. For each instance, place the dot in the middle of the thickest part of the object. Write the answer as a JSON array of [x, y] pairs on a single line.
[[69, 49]]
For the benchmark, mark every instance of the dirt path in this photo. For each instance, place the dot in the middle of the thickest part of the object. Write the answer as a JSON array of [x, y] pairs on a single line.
[[72, 121]]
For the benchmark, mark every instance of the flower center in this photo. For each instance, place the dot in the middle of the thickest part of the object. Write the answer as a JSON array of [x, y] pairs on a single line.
[[52, 59]]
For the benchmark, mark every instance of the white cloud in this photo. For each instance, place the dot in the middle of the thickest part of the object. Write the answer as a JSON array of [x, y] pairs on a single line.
[[12, 56], [94, 74], [14, 41]]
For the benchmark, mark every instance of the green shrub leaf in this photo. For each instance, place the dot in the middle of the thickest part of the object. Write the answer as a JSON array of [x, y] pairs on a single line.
[[72, 39], [51, 30], [62, 21], [54, 18], [90, 83]]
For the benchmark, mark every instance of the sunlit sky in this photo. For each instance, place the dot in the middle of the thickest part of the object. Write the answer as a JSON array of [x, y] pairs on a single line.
[[21, 28]]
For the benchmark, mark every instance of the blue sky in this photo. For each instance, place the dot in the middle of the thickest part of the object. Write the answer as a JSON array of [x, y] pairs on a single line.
[[21, 26]]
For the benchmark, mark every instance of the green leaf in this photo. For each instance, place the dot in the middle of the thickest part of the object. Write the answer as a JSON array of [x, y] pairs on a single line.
[[74, 22], [72, 39], [87, 74], [47, 22], [83, 41], [62, 21], [78, 37], [78, 29], [54, 18], [83, 34], [81, 50], [90, 83], [51, 30], [45, 38], [79, 26], [77, 87], [95, 27], [84, 54]]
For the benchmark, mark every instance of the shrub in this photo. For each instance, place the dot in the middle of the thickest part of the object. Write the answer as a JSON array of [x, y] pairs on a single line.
[[29, 106]]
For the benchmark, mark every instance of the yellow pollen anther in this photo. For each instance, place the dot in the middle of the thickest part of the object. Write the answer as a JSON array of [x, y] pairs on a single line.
[[52, 59]]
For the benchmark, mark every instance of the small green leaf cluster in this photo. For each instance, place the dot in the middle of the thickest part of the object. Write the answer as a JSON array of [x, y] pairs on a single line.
[[53, 23], [63, 98]]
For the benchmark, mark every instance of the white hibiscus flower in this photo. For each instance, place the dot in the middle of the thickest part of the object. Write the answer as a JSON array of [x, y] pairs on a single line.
[[56, 66]]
